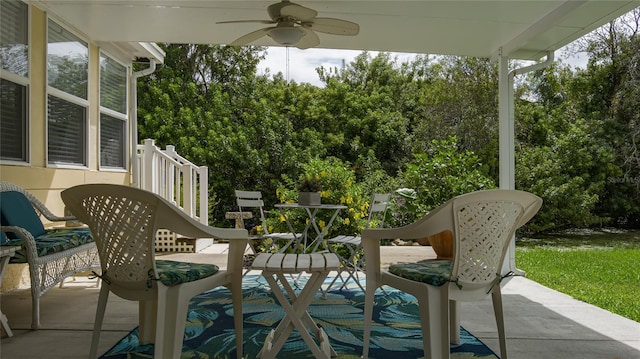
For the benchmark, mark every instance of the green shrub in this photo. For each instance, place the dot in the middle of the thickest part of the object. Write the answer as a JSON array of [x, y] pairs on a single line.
[[339, 186], [437, 176]]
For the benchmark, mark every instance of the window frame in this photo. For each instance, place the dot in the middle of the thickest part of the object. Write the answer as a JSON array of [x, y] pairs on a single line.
[[24, 81], [73, 99], [114, 114]]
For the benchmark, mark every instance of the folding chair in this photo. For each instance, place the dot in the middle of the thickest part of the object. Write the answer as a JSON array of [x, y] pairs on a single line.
[[253, 200], [354, 260]]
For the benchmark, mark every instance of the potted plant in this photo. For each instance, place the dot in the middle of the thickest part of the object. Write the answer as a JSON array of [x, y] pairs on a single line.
[[309, 189]]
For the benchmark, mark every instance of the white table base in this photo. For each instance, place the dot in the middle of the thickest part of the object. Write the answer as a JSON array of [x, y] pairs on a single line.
[[275, 266]]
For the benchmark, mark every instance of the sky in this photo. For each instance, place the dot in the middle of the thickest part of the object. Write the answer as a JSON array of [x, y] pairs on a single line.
[[303, 63]]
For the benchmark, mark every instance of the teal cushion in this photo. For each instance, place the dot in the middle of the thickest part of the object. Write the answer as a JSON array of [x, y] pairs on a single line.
[[434, 272], [173, 272], [3, 238], [16, 210], [53, 241]]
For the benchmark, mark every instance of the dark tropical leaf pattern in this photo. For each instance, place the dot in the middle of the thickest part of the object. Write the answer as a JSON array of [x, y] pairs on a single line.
[[173, 272], [53, 241], [210, 334], [434, 272]]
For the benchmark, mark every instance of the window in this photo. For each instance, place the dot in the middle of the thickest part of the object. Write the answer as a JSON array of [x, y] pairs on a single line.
[[112, 142], [14, 80], [67, 131], [113, 113], [67, 77]]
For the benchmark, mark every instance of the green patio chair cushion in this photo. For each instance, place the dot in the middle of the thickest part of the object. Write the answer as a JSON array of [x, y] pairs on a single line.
[[52, 241], [173, 272], [16, 210], [434, 272]]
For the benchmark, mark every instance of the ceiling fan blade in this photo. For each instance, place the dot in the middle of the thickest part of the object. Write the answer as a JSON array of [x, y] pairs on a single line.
[[251, 37], [246, 21], [297, 11], [332, 26], [310, 39]]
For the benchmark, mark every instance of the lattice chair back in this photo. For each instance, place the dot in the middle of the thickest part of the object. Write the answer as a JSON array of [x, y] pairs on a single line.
[[484, 224], [124, 226], [124, 221]]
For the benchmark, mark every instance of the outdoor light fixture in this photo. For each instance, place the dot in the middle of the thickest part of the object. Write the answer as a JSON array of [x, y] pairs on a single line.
[[286, 35], [295, 25]]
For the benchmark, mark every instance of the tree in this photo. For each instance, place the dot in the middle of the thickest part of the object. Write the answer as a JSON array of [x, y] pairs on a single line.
[[460, 99], [442, 173], [607, 94], [430, 124]]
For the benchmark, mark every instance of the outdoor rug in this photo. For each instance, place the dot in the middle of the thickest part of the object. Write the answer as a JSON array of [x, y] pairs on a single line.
[[209, 330]]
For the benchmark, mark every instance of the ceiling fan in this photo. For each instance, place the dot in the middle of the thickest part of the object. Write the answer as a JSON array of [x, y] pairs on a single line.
[[295, 25]]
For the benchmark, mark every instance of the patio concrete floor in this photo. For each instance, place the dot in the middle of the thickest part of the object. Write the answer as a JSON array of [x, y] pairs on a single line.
[[540, 322]]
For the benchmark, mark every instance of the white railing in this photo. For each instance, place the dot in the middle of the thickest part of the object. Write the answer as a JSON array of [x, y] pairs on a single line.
[[171, 176]]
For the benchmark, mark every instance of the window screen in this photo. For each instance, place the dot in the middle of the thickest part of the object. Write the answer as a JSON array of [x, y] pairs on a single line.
[[14, 58], [13, 123], [112, 141], [113, 85], [14, 54], [67, 132], [67, 61], [67, 65], [113, 115]]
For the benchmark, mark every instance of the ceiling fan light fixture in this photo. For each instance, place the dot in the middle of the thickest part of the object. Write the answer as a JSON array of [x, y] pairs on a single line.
[[286, 35], [295, 25]]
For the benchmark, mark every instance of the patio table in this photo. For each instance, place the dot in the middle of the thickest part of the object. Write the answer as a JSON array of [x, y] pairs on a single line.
[[275, 266], [302, 240]]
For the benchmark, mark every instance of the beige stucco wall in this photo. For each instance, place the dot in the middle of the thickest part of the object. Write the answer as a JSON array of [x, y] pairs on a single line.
[[47, 183], [37, 177]]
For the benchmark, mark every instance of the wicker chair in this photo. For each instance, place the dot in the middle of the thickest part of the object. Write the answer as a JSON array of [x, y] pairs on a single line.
[[483, 223], [124, 221], [52, 254]]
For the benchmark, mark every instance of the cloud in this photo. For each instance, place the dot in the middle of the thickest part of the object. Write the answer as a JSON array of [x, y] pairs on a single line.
[[303, 63]]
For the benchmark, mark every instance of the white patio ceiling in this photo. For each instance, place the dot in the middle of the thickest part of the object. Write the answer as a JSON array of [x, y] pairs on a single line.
[[524, 29]]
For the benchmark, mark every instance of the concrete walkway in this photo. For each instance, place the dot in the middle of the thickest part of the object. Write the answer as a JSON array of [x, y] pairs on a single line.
[[540, 322]]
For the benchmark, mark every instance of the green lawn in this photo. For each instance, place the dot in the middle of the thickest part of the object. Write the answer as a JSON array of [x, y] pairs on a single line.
[[608, 277]]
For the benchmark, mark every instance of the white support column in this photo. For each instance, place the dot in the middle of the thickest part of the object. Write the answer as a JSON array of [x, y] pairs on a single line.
[[134, 164], [506, 126], [507, 135], [203, 180], [148, 167], [507, 161]]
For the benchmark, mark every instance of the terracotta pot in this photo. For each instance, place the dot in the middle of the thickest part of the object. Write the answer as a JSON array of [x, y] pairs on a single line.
[[442, 244]]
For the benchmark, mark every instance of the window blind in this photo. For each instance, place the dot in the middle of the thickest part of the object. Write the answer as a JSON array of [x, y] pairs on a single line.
[[112, 141], [113, 85], [66, 132], [14, 34], [13, 124], [67, 61]]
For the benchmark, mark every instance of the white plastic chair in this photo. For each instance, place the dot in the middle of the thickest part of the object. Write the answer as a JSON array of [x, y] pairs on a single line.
[[124, 221], [253, 200], [482, 223], [353, 262]]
